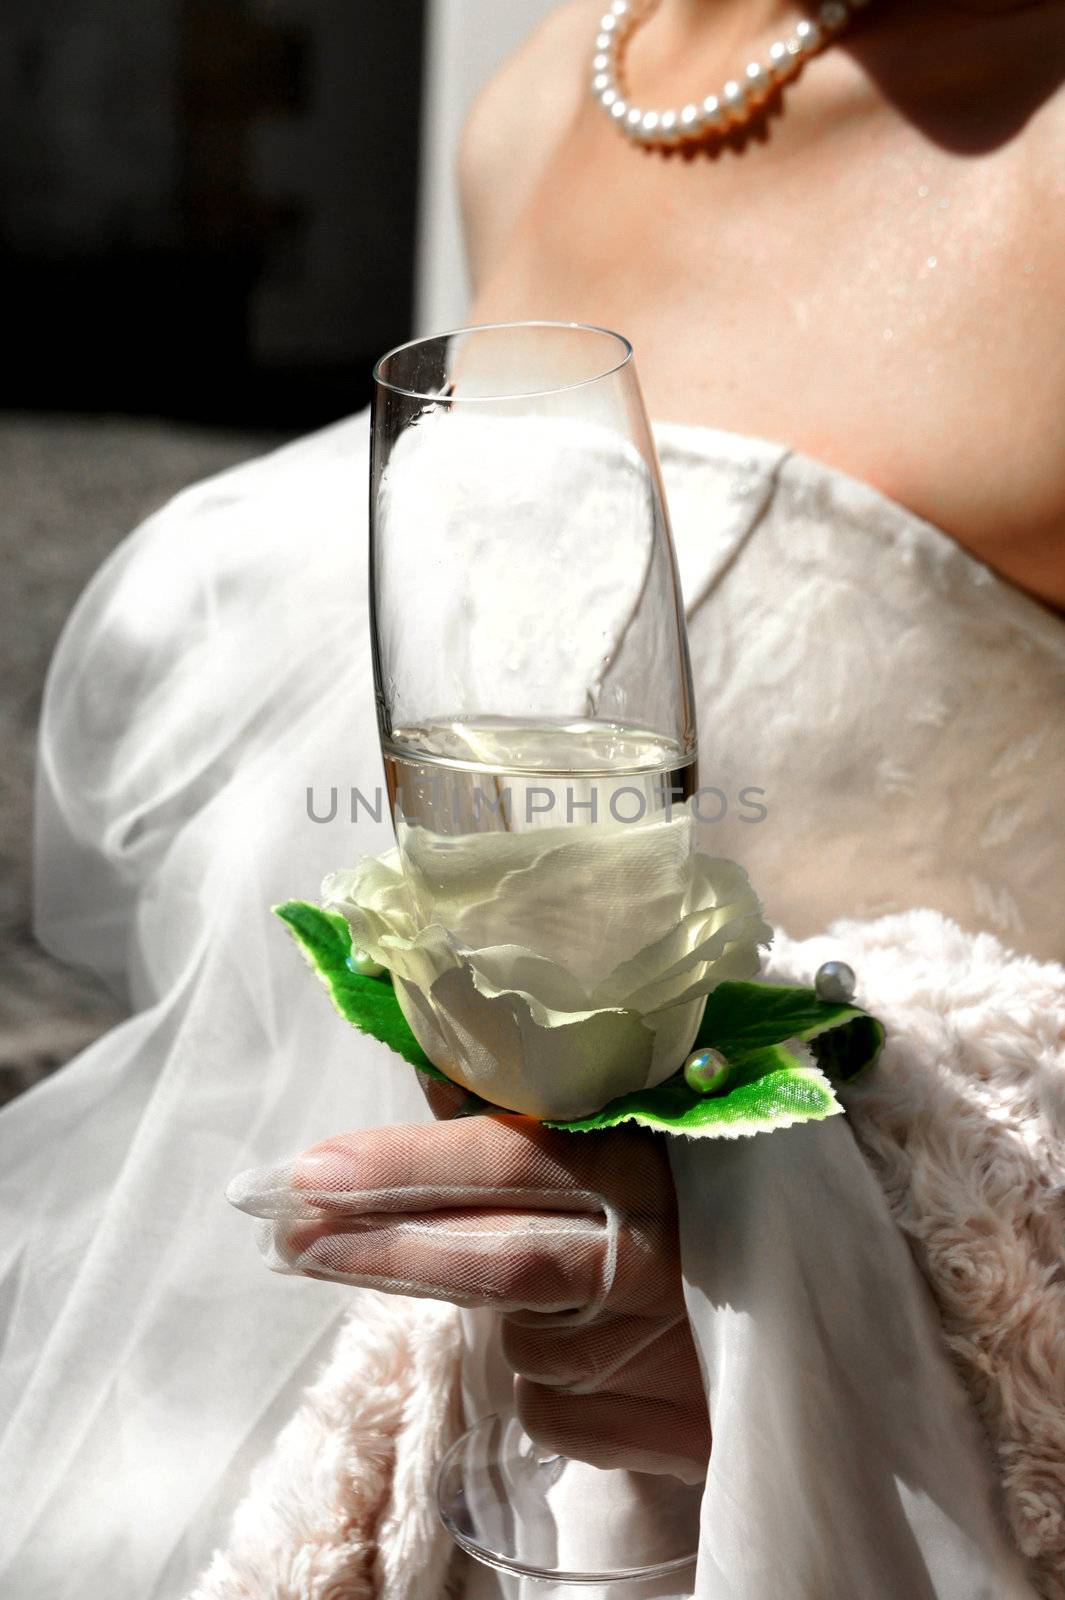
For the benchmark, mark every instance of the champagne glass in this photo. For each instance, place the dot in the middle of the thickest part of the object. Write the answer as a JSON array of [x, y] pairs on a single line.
[[534, 704]]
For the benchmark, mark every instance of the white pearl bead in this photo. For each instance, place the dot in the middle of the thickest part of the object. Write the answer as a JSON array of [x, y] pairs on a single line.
[[607, 98], [601, 81], [363, 965], [713, 111], [780, 60], [757, 78], [808, 35], [619, 110], [601, 62], [835, 983], [734, 96], [649, 123], [619, 7], [669, 126], [832, 15], [605, 41], [690, 119], [608, 23], [634, 117], [706, 1071]]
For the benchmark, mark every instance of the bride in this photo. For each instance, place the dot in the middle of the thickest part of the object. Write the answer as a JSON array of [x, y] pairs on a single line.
[[863, 272]]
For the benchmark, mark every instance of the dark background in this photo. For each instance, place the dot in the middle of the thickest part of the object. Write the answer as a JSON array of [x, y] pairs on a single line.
[[207, 225], [207, 207]]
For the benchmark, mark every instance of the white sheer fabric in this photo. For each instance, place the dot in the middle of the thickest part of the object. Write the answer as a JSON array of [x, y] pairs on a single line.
[[216, 670]]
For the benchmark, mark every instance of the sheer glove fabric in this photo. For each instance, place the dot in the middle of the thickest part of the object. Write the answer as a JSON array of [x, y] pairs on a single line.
[[571, 1237]]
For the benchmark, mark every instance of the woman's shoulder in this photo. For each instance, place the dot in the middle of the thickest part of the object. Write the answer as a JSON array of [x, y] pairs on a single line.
[[288, 467], [179, 604], [195, 649], [517, 120]]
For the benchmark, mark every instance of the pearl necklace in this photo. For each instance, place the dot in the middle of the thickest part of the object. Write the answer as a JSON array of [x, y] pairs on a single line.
[[739, 100]]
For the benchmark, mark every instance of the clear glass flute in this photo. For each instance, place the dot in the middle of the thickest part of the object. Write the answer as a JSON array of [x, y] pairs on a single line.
[[533, 687]]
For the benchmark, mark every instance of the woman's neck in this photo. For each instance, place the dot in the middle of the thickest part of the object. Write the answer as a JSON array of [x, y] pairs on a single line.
[[753, 15], [688, 40], [723, 29]]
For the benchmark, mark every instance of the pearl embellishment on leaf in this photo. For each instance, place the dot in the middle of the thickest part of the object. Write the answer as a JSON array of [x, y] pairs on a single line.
[[706, 1071], [364, 966], [834, 981]]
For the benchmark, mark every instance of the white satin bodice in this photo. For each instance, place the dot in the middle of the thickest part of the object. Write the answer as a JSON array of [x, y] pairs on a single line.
[[901, 706]]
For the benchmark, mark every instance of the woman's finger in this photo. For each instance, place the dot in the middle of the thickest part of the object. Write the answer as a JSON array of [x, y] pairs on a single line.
[[636, 1355], [482, 1157], [489, 1161], [551, 1262], [473, 1162], [610, 1430]]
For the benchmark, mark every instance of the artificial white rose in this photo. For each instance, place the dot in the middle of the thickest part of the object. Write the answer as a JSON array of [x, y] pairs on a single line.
[[517, 1027]]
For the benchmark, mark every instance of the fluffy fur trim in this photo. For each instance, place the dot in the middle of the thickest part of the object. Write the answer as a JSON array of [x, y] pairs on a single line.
[[344, 1507], [963, 1121]]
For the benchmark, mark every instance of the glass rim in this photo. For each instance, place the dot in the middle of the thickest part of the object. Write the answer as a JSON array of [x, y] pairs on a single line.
[[493, 327]]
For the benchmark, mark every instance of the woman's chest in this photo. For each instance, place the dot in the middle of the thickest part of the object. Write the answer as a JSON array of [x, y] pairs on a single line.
[[881, 305]]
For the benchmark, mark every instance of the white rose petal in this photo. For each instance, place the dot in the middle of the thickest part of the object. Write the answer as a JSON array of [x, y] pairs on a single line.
[[566, 892], [494, 1046]]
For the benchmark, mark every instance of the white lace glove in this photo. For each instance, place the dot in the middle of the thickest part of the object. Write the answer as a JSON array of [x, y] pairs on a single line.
[[571, 1237]]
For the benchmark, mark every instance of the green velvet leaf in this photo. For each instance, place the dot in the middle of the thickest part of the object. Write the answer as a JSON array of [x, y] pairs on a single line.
[[846, 1051], [844, 1039], [370, 1004], [742, 1016], [782, 1044], [772, 1087]]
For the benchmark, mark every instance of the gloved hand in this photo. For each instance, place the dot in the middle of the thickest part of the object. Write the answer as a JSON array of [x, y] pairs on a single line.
[[571, 1237]]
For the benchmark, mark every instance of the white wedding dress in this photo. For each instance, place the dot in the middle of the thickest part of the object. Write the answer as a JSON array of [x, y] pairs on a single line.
[[898, 708]]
